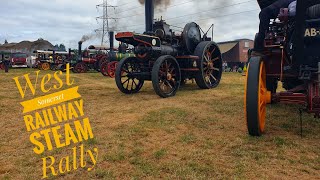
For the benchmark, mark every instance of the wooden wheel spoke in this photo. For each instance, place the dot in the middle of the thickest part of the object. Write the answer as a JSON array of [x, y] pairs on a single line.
[[168, 84], [128, 83], [171, 71], [216, 69], [214, 78], [213, 50], [135, 82], [125, 81], [132, 84], [209, 57], [206, 58], [215, 59]]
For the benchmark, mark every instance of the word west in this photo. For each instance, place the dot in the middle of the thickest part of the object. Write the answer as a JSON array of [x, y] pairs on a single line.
[[56, 120], [45, 80]]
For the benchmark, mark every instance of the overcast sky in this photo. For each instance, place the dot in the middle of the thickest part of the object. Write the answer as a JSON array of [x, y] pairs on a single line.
[[66, 21]]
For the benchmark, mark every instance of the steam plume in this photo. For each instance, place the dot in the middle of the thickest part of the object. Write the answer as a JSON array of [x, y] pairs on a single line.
[[157, 3], [90, 36]]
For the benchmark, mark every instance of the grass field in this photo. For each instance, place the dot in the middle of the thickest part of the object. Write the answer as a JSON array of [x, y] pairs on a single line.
[[198, 134]]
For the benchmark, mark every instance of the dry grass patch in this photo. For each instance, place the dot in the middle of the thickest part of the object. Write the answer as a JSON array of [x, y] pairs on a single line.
[[198, 134]]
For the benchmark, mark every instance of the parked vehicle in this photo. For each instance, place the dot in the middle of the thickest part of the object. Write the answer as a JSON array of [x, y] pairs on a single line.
[[291, 55], [168, 59], [19, 60]]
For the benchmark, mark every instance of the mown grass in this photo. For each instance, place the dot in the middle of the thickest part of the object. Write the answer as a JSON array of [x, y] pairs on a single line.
[[198, 134]]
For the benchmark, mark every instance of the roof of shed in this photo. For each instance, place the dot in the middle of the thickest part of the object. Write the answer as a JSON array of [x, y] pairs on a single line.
[[225, 47]]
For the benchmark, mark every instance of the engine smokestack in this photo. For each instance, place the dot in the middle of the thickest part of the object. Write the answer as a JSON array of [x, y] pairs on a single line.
[[111, 36], [149, 15], [69, 53], [79, 50]]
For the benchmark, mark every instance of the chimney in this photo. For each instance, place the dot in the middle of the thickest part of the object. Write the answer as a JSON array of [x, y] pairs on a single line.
[[69, 53], [149, 15], [111, 36], [79, 50]]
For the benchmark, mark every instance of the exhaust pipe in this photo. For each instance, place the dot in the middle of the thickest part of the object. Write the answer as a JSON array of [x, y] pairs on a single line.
[[149, 15], [79, 50], [69, 54], [111, 36]]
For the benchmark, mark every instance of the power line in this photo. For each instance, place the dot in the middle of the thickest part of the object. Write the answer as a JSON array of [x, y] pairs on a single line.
[[126, 3], [179, 4], [215, 17], [222, 7]]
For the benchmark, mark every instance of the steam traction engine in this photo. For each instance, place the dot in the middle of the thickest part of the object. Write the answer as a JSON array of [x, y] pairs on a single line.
[[108, 67], [168, 59], [291, 56], [92, 58]]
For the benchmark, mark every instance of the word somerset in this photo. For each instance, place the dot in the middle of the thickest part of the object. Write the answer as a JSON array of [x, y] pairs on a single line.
[[57, 120]]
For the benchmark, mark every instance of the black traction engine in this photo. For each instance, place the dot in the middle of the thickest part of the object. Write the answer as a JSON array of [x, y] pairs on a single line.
[[168, 59]]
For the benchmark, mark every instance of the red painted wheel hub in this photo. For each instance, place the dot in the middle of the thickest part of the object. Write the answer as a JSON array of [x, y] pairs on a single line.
[[81, 68], [111, 69]]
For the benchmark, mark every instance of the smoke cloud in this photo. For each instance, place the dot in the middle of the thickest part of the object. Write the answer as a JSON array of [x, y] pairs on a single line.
[[158, 3], [90, 36]]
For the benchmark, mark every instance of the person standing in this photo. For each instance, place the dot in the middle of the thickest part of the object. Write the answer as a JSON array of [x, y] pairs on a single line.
[[271, 11]]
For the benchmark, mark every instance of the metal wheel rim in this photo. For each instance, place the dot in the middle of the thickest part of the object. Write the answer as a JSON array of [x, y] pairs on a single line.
[[211, 65], [167, 77], [261, 97], [128, 81]]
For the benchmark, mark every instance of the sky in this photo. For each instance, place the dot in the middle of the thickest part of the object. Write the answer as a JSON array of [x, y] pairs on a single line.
[[66, 21]]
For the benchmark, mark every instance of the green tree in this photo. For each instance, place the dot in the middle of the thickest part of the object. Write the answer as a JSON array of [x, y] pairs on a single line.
[[62, 47]]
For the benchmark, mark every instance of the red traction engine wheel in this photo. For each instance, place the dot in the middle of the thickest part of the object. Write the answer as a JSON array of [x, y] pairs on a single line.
[[2, 66], [111, 68], [104, 69], [80, 67]]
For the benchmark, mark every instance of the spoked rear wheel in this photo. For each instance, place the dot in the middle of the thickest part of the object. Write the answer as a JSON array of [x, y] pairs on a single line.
[[256, 97], [45, 66], [166, 76], [210, 65], [80, 67], [127, 75]]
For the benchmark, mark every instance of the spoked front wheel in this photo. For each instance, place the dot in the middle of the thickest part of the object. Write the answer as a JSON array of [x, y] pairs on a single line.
[[2, 66], [256, 97], [166, 76], [127, 75], [104, 69], [210, 67], [111, 68]]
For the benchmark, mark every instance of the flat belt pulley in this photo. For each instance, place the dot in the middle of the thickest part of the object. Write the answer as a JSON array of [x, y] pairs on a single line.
[[191, 36]]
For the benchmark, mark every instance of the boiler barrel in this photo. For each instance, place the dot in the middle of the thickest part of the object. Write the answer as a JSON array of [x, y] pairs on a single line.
[[115, 56], [168, 50]]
